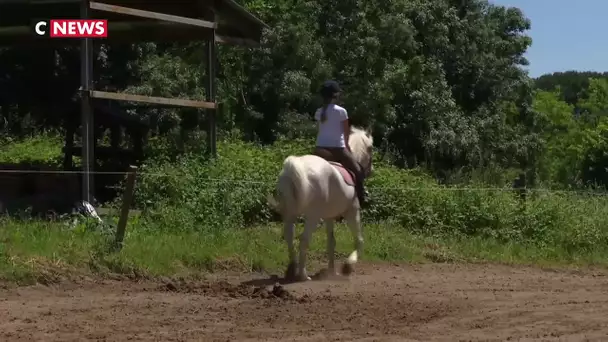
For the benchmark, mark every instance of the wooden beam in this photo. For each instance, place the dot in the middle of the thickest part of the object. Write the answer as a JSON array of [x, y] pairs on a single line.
[[15, 30], [125, 31], [152, 99], [236, 41], [152, 15], [46, 2]]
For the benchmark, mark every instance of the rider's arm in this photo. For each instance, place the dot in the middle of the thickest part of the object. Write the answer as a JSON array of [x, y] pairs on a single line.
[[346, 128]]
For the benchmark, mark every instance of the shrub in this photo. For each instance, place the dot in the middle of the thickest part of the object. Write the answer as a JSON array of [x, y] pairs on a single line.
[[227, 191], [230, 191]]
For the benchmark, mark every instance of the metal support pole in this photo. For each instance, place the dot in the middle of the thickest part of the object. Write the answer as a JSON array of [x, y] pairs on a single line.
[[211, 94], [86, 84]]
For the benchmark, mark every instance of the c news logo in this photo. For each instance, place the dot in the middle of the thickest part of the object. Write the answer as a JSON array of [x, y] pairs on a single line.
[[41, 28], [70, 28]]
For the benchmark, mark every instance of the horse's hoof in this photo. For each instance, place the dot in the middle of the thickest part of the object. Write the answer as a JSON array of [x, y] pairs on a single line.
[[303, 278], [347, 269]]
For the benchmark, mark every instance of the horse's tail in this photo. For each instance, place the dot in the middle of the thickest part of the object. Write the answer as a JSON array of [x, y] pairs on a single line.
[[292, 188]]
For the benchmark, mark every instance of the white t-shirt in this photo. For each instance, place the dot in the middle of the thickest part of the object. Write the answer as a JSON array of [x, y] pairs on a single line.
[[331, 132]]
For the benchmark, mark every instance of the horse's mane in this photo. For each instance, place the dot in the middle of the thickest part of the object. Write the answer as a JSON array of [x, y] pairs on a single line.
[[359, 142]]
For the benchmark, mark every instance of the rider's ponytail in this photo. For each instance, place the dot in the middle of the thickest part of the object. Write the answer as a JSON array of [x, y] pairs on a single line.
[[324, 112]]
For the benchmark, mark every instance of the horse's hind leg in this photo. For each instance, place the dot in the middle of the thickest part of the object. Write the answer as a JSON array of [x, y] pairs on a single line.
[[289, 231], [353, 219], [331, 247], [309, 227]]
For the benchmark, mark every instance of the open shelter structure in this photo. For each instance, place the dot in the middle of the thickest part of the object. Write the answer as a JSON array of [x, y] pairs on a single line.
[[215, 21]]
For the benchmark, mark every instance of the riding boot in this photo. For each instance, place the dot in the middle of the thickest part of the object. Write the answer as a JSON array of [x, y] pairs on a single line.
[[360, 191]]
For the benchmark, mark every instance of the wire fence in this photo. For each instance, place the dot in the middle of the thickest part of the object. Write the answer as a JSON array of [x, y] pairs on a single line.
[[257, 182]]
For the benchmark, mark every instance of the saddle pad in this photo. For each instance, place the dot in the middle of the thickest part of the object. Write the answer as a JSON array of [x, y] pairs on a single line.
[[348, 176]]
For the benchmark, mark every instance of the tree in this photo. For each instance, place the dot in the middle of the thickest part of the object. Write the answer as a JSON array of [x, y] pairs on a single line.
[[439, 82]]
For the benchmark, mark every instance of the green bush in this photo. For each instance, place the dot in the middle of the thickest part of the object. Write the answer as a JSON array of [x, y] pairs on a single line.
[[228, 191], [194, 193]]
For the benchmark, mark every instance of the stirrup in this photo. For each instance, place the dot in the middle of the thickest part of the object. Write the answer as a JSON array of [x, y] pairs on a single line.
[[362, 198], [365, 202]]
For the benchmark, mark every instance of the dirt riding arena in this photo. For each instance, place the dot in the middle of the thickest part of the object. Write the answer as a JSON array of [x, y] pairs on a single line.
[[378, 303]]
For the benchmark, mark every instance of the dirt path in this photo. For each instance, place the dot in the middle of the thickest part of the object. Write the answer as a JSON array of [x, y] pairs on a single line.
[[379, 303]]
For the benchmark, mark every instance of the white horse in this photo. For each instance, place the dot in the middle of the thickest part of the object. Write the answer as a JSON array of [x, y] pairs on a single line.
[[318, 189]]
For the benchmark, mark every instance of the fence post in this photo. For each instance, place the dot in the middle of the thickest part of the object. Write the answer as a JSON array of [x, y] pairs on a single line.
[[127, 198]]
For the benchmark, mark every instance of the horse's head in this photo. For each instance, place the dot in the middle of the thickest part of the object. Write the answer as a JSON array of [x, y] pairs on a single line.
[[362, 144]]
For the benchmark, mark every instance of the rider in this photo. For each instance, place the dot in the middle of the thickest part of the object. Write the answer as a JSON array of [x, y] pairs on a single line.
[[333, 134]]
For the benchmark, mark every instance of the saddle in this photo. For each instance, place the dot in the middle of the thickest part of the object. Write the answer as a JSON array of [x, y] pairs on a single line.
[[347, 175]]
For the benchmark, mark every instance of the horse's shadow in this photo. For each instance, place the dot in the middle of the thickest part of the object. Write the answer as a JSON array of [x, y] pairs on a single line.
[[270, 280], [274, 279]]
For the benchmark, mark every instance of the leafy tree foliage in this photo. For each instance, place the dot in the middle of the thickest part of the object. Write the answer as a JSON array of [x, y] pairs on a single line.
[[439, 82], [575, 140], [572, 84]]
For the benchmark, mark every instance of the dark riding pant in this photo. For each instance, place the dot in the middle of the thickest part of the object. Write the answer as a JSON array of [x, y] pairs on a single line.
[[343, 156]]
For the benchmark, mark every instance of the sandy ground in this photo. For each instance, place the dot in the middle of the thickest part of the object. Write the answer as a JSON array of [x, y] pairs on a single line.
[[433, 302]]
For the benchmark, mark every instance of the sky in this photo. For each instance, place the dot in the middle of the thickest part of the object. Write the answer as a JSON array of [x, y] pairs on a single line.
[[566, 34]]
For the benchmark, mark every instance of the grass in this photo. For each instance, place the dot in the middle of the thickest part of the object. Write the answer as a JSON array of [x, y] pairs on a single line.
[[40, 148], [47, 252]]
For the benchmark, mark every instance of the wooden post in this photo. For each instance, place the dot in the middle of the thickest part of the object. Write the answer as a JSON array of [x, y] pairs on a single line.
[[520, 187], [210, 92], [127, 198]]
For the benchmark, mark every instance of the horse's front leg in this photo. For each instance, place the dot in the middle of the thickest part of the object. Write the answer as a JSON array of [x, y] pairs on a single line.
[[353, 219], [309, 227], [331, 247]]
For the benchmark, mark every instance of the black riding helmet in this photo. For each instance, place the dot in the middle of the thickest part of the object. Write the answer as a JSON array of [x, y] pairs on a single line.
[[329, 89]]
